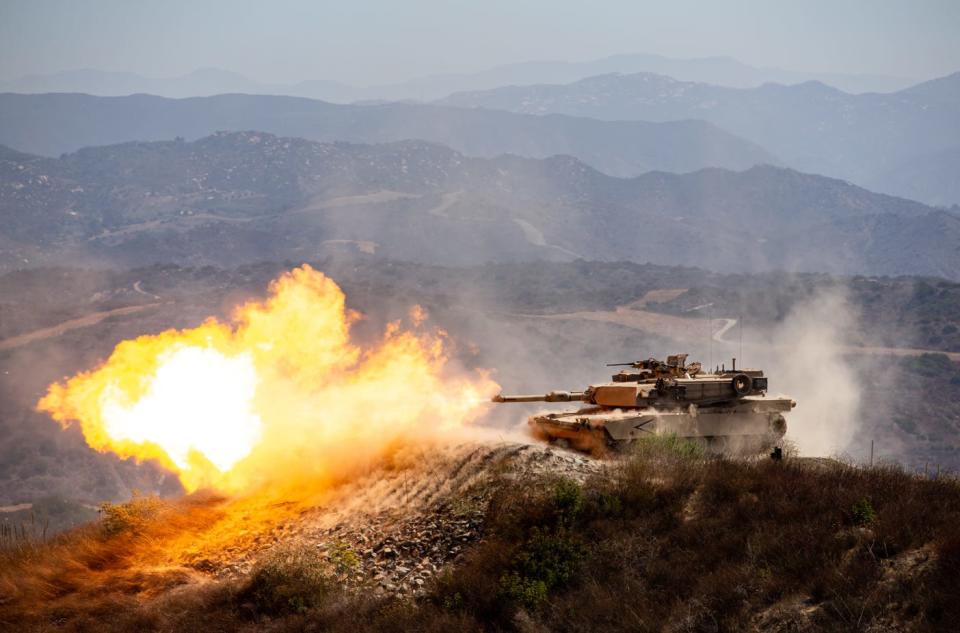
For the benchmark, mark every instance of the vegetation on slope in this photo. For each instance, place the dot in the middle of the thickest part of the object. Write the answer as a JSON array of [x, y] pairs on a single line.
[[665, 540]]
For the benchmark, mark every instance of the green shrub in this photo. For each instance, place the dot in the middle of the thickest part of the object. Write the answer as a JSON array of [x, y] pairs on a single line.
[[289, 580], [453, 602], [343, 559], [568, 499], [547, 560], [863, 512], [609, 505], [522, 590]]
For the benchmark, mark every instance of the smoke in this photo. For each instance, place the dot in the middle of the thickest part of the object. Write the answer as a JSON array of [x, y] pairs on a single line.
[[805, 359]]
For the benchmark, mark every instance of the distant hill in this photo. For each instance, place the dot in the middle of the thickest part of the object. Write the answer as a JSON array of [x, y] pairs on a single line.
[[201, 82], [811, 126], [722, 71], [933, 177], [239, 197], [52, 124]]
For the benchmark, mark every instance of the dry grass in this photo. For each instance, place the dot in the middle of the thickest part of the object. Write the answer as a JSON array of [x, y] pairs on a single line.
[[668, 540]]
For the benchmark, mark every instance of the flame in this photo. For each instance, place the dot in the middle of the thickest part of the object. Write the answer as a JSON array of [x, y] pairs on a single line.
[[281, 395]]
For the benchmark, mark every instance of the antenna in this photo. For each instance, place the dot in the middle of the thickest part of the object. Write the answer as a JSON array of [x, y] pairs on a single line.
[[742, 363], [710, 332]]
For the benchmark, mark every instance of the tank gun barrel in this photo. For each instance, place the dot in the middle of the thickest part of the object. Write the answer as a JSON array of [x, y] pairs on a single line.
[[553, 396]]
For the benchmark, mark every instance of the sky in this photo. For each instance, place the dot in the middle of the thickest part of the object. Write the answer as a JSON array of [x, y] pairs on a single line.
[[364, 42]]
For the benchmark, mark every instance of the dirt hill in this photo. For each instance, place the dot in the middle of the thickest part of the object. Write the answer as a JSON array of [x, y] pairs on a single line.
[[506, 536]]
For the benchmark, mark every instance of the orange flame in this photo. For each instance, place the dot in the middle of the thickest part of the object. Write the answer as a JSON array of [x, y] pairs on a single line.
[[280, 396]]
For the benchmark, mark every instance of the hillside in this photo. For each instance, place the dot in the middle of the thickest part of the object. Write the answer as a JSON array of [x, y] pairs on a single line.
[[51, 124], [811, 126], [513, 538], [234, 198]]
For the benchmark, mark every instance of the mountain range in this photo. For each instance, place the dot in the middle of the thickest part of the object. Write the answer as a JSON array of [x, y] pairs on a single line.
[[239, 197], [724, 71], [52, 124], [810, 126]]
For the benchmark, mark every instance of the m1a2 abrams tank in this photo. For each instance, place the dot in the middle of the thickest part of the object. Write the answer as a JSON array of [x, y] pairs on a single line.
[[726, 409]]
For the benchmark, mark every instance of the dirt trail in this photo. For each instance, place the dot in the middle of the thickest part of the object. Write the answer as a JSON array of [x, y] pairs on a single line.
[[727, 325], [72, 324], [658, 295], [138, 288], [447, 200], [319, 203], [675, 327], [16, 508]]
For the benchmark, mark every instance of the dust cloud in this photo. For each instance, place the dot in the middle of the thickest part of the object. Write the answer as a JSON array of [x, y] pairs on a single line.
[[805, 359]]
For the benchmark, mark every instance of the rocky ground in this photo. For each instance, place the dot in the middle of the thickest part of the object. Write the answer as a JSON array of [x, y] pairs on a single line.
[[396, 528]]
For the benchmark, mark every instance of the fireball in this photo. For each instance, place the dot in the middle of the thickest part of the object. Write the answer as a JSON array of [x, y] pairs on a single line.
[[280, 395]]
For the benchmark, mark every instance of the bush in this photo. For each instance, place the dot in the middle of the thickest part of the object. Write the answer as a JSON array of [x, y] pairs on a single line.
[[289, 580], [568, 500], [132, 516], [524, 591], [929, 365], [863, 512], [609, 505], [548, 560], [343, 559]]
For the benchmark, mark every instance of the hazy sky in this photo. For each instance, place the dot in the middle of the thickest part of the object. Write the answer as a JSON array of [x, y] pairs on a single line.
[[367, 42]]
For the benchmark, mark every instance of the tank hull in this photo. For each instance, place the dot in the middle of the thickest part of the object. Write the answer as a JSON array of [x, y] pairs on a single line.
[[750, 425]]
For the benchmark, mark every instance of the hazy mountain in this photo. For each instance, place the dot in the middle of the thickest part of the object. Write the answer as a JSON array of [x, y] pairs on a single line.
[[722, 71], [237, 197], [811, 126], [51, 124], [201, 82]]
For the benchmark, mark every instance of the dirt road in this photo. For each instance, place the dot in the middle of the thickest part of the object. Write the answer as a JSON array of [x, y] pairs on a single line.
[[73, 324]]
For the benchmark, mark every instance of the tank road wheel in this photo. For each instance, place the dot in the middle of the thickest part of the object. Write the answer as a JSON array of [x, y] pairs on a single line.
[[717, 444], [778, 426], [742, 384], [614, 447]]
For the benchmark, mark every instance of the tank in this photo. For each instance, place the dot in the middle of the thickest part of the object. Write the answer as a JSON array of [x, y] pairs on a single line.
[[727, 410]]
